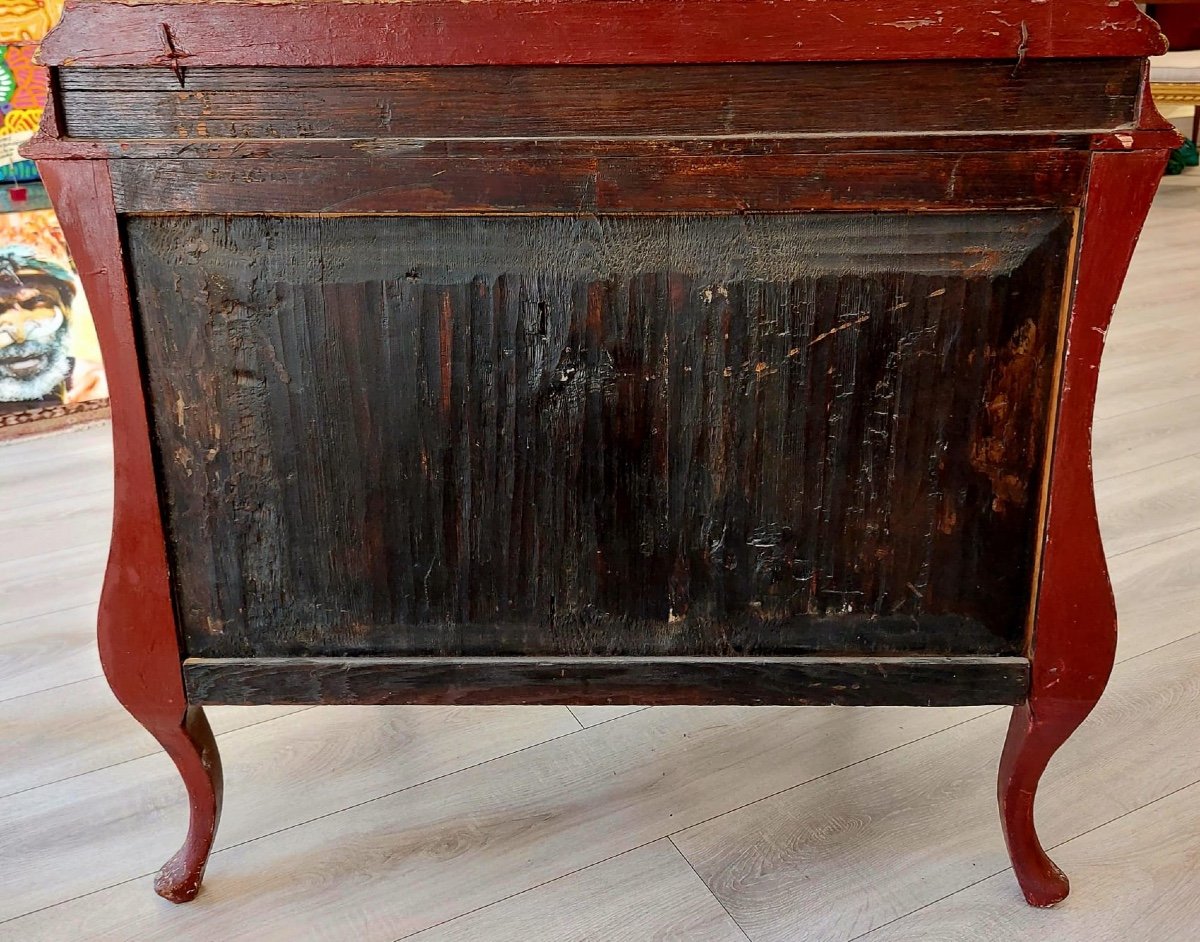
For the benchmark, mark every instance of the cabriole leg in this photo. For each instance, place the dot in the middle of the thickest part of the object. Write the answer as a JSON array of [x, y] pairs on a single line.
[[1074, 638], [191, 745], [136, 632], [1032, 741]]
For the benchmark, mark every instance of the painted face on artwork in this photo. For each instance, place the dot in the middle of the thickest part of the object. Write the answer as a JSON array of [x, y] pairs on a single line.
[[34, 335]]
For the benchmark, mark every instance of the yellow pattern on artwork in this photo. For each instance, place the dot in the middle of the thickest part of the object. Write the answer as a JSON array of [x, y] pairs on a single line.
[[27, 20]]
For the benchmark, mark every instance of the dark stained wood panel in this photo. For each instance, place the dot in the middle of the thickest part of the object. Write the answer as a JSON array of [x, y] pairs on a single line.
[[579, 435], [322, 148], [602, 102], [482, 681], [577, 183]]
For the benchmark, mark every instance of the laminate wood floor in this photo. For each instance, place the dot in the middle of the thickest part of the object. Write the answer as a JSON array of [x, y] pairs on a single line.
[[601, 824]]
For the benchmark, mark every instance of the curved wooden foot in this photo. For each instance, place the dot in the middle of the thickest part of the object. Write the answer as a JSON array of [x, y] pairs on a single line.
[[136, 631], [1028, 749], [192, 746], [1074, 638]]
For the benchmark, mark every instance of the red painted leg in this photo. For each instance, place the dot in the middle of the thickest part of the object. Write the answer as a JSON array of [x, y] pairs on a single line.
[[1074, 638], [1031, 742], [136, 633], [194, 750]]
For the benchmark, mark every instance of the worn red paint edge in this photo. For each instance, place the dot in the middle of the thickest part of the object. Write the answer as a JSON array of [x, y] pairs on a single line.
[[1075, 627], [591, 32], [136, 629]]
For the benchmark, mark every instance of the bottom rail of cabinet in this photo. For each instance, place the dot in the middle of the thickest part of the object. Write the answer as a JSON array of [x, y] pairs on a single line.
[[752, 681]]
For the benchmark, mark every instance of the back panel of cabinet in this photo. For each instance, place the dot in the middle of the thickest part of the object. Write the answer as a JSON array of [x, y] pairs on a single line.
[[573, 435]]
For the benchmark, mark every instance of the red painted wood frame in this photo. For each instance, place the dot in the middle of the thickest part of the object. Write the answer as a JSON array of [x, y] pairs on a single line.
[[595, 32], [1072, 643]]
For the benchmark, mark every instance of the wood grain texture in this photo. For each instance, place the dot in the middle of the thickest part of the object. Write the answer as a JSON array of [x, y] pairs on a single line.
[[601, 102], [48, 650], [215, 148], [894, 681], [1138, 509], [747, 435], [1157, 589], [1134, 386], [1150, 436], [89, 732], [87, 833], [1145, 856], [283, 773], [113, 824], [584, 182], [806, 864], [28, 461], [52, 582], [136, 630], [27, 530], [502, 32], [648, 894], [1073, 641], [392, 866], [594, 715]]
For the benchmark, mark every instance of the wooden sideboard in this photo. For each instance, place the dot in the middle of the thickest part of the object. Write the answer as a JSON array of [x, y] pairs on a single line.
[[591, 351]]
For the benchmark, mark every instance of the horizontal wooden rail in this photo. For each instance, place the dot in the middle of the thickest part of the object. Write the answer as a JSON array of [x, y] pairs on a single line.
[[844, 681]]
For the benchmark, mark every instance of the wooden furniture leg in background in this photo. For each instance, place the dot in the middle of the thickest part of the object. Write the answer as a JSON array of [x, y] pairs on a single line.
[[136, 631], [1075, 630]]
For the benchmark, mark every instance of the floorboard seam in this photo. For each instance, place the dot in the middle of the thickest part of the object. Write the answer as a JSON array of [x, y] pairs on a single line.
[[1150, 467], [1124, 814], [1165, 539], [55, 611], [614, 719], [146, 755], [709, 889], [33, 693], [817, 778], [576, 718], [1062, 843], [529, 889]]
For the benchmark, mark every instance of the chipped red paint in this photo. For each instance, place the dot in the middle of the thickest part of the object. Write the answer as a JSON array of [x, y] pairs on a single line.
[[1073, 643], [1075, 631], [136, 632], [595, 32]]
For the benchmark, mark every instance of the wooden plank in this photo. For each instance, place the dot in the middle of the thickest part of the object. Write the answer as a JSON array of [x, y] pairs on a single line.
[[601, 102], [52, 582], [598, 184], [1132, 441], [807, 863], [502, 32], [593, 449], [99, 829], [48, 650], [210, 148], [1157, 588], [90, 731], [58, 521], [383, 869], [594, 715], [760, 681], [362, 792], [649, 893], [1135, 878], [116, 823], [1149, 505], [1073, 634]]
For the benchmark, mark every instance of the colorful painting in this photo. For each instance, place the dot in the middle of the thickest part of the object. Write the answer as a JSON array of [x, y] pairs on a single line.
[[48, 349], [22, 98], [49, 356], [27, 20], [22, 84]]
